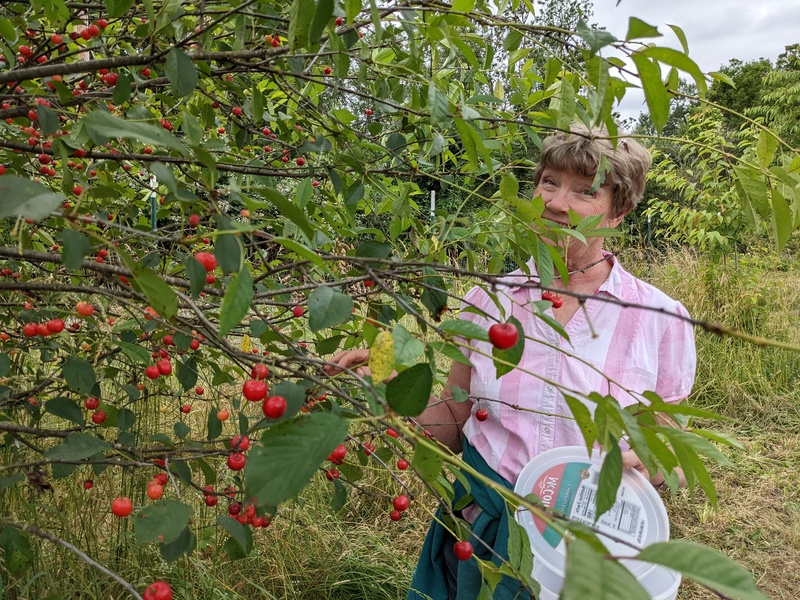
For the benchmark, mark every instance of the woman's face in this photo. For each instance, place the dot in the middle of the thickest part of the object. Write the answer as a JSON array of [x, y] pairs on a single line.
[[562, 191]]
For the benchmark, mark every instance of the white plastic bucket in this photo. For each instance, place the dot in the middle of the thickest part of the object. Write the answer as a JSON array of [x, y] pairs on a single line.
[[566, 479]]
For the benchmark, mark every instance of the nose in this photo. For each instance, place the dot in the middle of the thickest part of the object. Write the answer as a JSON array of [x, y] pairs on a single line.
[[556, 200]]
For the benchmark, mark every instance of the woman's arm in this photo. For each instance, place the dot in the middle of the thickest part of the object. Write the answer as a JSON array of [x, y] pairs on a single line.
[[443, 418]]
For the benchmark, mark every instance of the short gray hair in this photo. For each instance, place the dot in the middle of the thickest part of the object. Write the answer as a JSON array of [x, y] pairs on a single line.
[[578, 151]]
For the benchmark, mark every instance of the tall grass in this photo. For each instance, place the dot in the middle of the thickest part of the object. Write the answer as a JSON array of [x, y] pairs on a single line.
[[312, 552]]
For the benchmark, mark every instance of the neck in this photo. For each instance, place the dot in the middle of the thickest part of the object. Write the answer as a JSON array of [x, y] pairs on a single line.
[[606, 259]]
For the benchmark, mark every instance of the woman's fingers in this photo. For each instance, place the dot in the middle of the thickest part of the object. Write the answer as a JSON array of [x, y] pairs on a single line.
[[631, 461], [346, 360]]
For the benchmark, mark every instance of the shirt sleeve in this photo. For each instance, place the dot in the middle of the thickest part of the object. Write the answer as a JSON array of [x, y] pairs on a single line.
[[677, 358]]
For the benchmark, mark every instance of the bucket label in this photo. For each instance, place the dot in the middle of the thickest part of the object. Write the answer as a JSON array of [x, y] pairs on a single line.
[[571, 489]]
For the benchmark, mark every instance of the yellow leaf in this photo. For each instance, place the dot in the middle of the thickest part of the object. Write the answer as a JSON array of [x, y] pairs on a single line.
[[247, 344], [381, 356]]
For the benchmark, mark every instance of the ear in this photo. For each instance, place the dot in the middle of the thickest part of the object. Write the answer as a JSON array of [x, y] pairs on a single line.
[[615, 221]]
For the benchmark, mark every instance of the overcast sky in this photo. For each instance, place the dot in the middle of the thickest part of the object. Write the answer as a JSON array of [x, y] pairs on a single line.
[[717, 30]]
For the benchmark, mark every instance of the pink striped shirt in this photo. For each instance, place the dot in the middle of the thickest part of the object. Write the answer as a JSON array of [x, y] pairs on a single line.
[[632, 350]]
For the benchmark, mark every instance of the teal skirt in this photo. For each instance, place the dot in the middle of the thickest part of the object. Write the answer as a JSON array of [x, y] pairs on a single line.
[[430, 581]]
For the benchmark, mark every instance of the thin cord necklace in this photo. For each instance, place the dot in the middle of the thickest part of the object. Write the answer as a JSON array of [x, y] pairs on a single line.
[[587, 267]]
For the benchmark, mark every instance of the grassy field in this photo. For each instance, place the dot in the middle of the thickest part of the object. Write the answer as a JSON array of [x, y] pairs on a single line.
[[310, 552]]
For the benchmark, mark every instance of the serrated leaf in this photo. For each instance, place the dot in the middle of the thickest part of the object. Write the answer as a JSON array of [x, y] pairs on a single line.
[[465, 329], [427, 461], [289, 455], [655, 94], [77, 446], [160, 295], [228, 250], [301, 16], [438, 104], [706, 566], [22, 197], [163, 521], [237, 531], [134, 352], [381, 356], [236, 302], [407, 348], [196, 274], [187, 372], [322, 17], [408, 393], [184, 544], [102, 127], [583, 418], [66, 408], [328, 308], [288, 209], [213, 426], [79, 375], [638, 29], [181, 72], [589, 575], [610, 478], [48, 120]]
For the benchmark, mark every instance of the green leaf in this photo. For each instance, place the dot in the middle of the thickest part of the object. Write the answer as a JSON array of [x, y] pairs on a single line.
[[506, 360], [196, 274], [184, 544], [328, 308], [289, 455], [638, 29], [17, 553], [583, 418], [322, 17], [181, 73], [427, 461], [187, 373], [300, 249], [213, 426], [117, 8], [463, 5], [160, 295], [407, 348], [124, 419], [75, 247], [288, 209], [163, 521], [238, 532], [438, 104], [79, 375], [706, 566], [237, 302], [408, 393], [610, 478], [589, 575], [5, 365], [66, 408], [77, 446], [655, 94], [301, 16], [465, 329], [679, 60], [434, 296], [22, 197], [594, 38], [781, 220], [354, 194], [122, 90], [7, 482], [134, 352], [102, 127], [48, 120]]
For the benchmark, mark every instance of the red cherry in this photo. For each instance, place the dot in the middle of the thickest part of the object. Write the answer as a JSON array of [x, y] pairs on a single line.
[[274, 407], [275, 42], [56, 39], [392, 433], [199, 391], [194, 220], [43, 330], [236, 461], [88, 484], [211, 500], [339, 21], [402, 464], [158, 590], [164, 366], [234, 508], [240, 442], [122, 506], [395, 515], [84, 309], [237, 110], [503, 335], [161, 478], [55, 325], [327, 70], [102, 24], [332, 474], [401, 502], [481, 414], [298, 311], [98, 417], [462, 550], [338, 453], [369, 449], [186, 409], [368, 112], [155, 490], [92, 403], [152, 372], [30, 329], [208, 260], [259, 371], [93, 30], [255, 389], [194, 344], [300, 161]]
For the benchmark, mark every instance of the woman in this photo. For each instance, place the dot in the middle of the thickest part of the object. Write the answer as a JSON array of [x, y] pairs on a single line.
[[611, 350]]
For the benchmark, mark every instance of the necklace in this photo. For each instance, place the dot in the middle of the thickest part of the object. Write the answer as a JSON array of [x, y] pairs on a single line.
[[587, 267]]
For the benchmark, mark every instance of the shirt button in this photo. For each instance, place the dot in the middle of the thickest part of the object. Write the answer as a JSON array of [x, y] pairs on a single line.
[[547, 430]]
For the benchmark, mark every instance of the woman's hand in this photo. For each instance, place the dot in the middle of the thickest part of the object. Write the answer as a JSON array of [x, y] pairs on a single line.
[[355, 360], [631, 461]]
